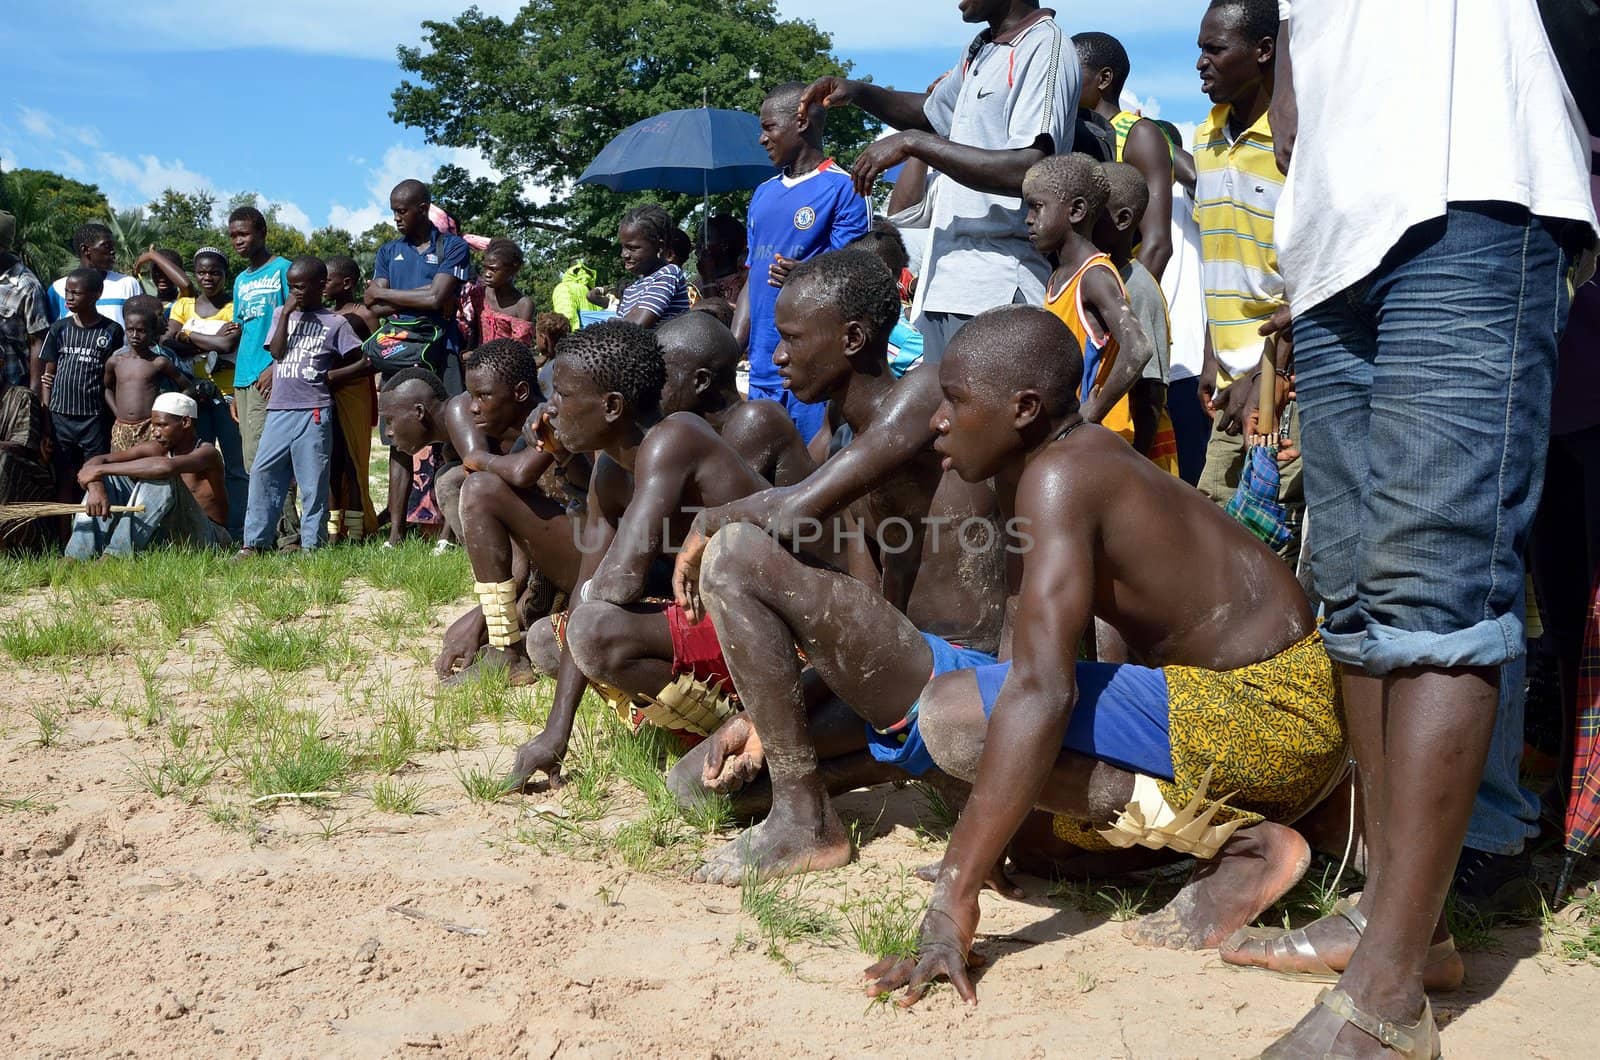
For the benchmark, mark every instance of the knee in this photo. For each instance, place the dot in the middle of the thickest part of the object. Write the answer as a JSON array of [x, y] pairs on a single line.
[[945, 717], [543, 649], [593, 641], [733, 559]]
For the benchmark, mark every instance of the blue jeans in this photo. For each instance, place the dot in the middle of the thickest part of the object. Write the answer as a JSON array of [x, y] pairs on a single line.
[[296, 446], [1425, 413], [171, 516], [215, 425], [1505, 815]]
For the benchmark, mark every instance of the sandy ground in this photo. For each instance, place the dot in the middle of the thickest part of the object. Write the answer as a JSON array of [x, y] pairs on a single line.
[[136, 926]]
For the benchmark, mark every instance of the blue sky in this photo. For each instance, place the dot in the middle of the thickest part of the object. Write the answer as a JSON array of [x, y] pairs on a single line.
[[290, 98]]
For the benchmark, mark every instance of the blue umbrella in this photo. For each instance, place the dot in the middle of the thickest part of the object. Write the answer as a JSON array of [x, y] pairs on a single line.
[[688, 151]]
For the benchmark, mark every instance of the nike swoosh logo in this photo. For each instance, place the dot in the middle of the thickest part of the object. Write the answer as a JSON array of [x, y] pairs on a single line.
[[985, 95]]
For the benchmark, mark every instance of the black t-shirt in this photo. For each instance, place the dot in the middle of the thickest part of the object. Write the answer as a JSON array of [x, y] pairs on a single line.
[[80, 355]]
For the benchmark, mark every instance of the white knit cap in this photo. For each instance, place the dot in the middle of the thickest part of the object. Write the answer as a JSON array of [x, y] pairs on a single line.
[[176, 404]]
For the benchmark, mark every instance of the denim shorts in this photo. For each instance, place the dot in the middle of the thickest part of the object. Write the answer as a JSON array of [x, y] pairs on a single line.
[[1425, 413]]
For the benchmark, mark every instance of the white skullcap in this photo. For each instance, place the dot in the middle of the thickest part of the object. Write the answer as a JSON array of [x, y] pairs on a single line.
[[176, 404]]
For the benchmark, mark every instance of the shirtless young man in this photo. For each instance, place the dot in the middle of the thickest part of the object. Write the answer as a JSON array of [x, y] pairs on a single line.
[[702, 359], [134, 374], [651, 476], [176, 477], [936, 561], [1240, 727]]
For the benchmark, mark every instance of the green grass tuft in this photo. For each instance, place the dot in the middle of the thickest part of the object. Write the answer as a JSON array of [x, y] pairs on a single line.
[[279, 649], [785, 914], [389, 795], [71, 634], [293, 756], [885, 923]]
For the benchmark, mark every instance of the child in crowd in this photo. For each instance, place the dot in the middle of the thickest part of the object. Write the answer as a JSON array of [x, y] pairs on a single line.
[[355, 412], [661, 291], [677, 252], [505, 312], [1065, 195], [549, 329], [1116, 233], [69, 377], [133, 376], [166, 272], [310, 347], [97, 249], [201, 330]]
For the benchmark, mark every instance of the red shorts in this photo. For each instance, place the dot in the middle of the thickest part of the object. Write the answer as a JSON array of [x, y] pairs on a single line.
[[696, 650]]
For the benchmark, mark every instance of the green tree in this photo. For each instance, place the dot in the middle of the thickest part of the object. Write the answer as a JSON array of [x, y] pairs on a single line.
[[542, 92], [134, 233], [182, 218], [48, 207]]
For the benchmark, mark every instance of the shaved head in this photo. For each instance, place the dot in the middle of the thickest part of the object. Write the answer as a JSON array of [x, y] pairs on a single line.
[[411, 191], [1019, 347], [1128, 189], [699, 340]]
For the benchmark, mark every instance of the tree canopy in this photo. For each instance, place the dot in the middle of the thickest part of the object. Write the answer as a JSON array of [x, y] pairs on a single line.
[[541, 93]]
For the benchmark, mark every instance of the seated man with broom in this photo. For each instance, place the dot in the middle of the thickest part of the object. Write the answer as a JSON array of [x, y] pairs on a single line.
[[168, 490]]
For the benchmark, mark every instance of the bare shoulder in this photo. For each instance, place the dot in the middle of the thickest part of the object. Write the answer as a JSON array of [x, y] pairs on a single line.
[[759, 417]]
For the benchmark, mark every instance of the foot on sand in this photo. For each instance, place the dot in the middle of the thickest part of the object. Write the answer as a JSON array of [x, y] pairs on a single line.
[[778, 847], [1252, 870], [519, 671]]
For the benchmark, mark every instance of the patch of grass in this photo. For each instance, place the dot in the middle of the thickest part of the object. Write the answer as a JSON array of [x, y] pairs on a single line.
[[656, 842], [72, 634], [230, 816], [885, 923], [936, 815], [428, 581], [26, 804], [389, 795], [396, 737], [1573, 934], [177, 772], [279, 649], [48, 725], [1311, 899], [1114, 903], [294, 756], [708, 814], [484, 783], [784, 914]]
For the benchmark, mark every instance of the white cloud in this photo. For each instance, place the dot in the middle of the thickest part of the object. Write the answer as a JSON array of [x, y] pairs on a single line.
[[401, 162], [43, 126], [148, 176]]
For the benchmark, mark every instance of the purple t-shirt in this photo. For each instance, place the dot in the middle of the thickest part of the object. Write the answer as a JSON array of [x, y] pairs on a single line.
[[318, 341]]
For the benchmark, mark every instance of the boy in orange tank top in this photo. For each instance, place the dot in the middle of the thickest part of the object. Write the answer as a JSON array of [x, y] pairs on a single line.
[[1064, 195]]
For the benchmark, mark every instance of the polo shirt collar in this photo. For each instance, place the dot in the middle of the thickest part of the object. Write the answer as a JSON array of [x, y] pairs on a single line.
[[1010, 36]]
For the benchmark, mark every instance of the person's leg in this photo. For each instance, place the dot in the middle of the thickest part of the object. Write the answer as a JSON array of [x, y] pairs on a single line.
[[447, 491], [1494, 873], [494, 515], [269, 479], [1471, 307], [628, 648], [67, 455], [764, 600], [1191, 424], [399, 493], [90, 536], [1224, 463], [310, 452]]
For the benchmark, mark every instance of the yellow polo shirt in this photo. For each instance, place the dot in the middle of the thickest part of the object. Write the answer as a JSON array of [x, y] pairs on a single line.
[[1237, 185]]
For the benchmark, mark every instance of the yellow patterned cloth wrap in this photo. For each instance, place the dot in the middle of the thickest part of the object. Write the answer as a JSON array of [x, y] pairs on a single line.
[[1273, 731]]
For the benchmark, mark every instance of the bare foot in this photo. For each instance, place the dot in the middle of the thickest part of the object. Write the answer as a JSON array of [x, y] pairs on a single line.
[[1252, 870], [778, 847], [519, 670]]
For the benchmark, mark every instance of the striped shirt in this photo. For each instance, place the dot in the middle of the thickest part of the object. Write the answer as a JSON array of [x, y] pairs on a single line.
[[664, 292], [1237, 185], [80, 355], [114, 290]]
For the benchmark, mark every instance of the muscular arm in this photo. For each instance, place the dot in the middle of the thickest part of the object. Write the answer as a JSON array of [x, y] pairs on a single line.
[[148, 461], [438, 297], [1106, 300], [741, 317], [1284, 113], [1147, 150], [661, 470], [903, 110], [179, 278], [996, 172], [1030, 716]]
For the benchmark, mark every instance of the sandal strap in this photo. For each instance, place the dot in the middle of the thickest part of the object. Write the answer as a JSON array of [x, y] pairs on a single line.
[[1407, 1040], [1351, 913]]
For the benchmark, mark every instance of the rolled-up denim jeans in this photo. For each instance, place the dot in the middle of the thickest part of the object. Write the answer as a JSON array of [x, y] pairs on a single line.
[[1425, 414]]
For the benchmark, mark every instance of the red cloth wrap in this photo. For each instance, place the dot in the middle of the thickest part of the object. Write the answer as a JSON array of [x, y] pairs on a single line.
[[696, 650]]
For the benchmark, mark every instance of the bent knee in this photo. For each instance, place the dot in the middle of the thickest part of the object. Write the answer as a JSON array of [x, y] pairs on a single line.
[[592, 640], [543, 647], [951, 719], [735, 559]]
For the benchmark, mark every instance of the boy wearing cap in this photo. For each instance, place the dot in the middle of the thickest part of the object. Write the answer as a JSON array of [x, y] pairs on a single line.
[[174, 477]]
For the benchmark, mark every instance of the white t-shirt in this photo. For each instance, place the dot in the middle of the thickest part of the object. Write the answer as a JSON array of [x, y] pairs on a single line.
[[1473, 108], [1186, 296], [118, 289]]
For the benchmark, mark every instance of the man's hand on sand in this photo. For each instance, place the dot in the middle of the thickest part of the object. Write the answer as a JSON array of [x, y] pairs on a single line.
[[539, 755], [735, 757], [944, 952], [461, 643]]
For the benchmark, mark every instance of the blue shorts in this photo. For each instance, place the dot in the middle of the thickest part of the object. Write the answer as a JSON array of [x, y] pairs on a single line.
[[902, 746], [808, 419], [1120, 717]]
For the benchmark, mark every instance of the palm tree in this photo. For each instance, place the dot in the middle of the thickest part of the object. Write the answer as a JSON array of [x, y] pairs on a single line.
[[42, 234], [135, 233]]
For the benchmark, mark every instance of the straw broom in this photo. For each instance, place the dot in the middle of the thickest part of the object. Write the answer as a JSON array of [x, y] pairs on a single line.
[[13, 515]]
